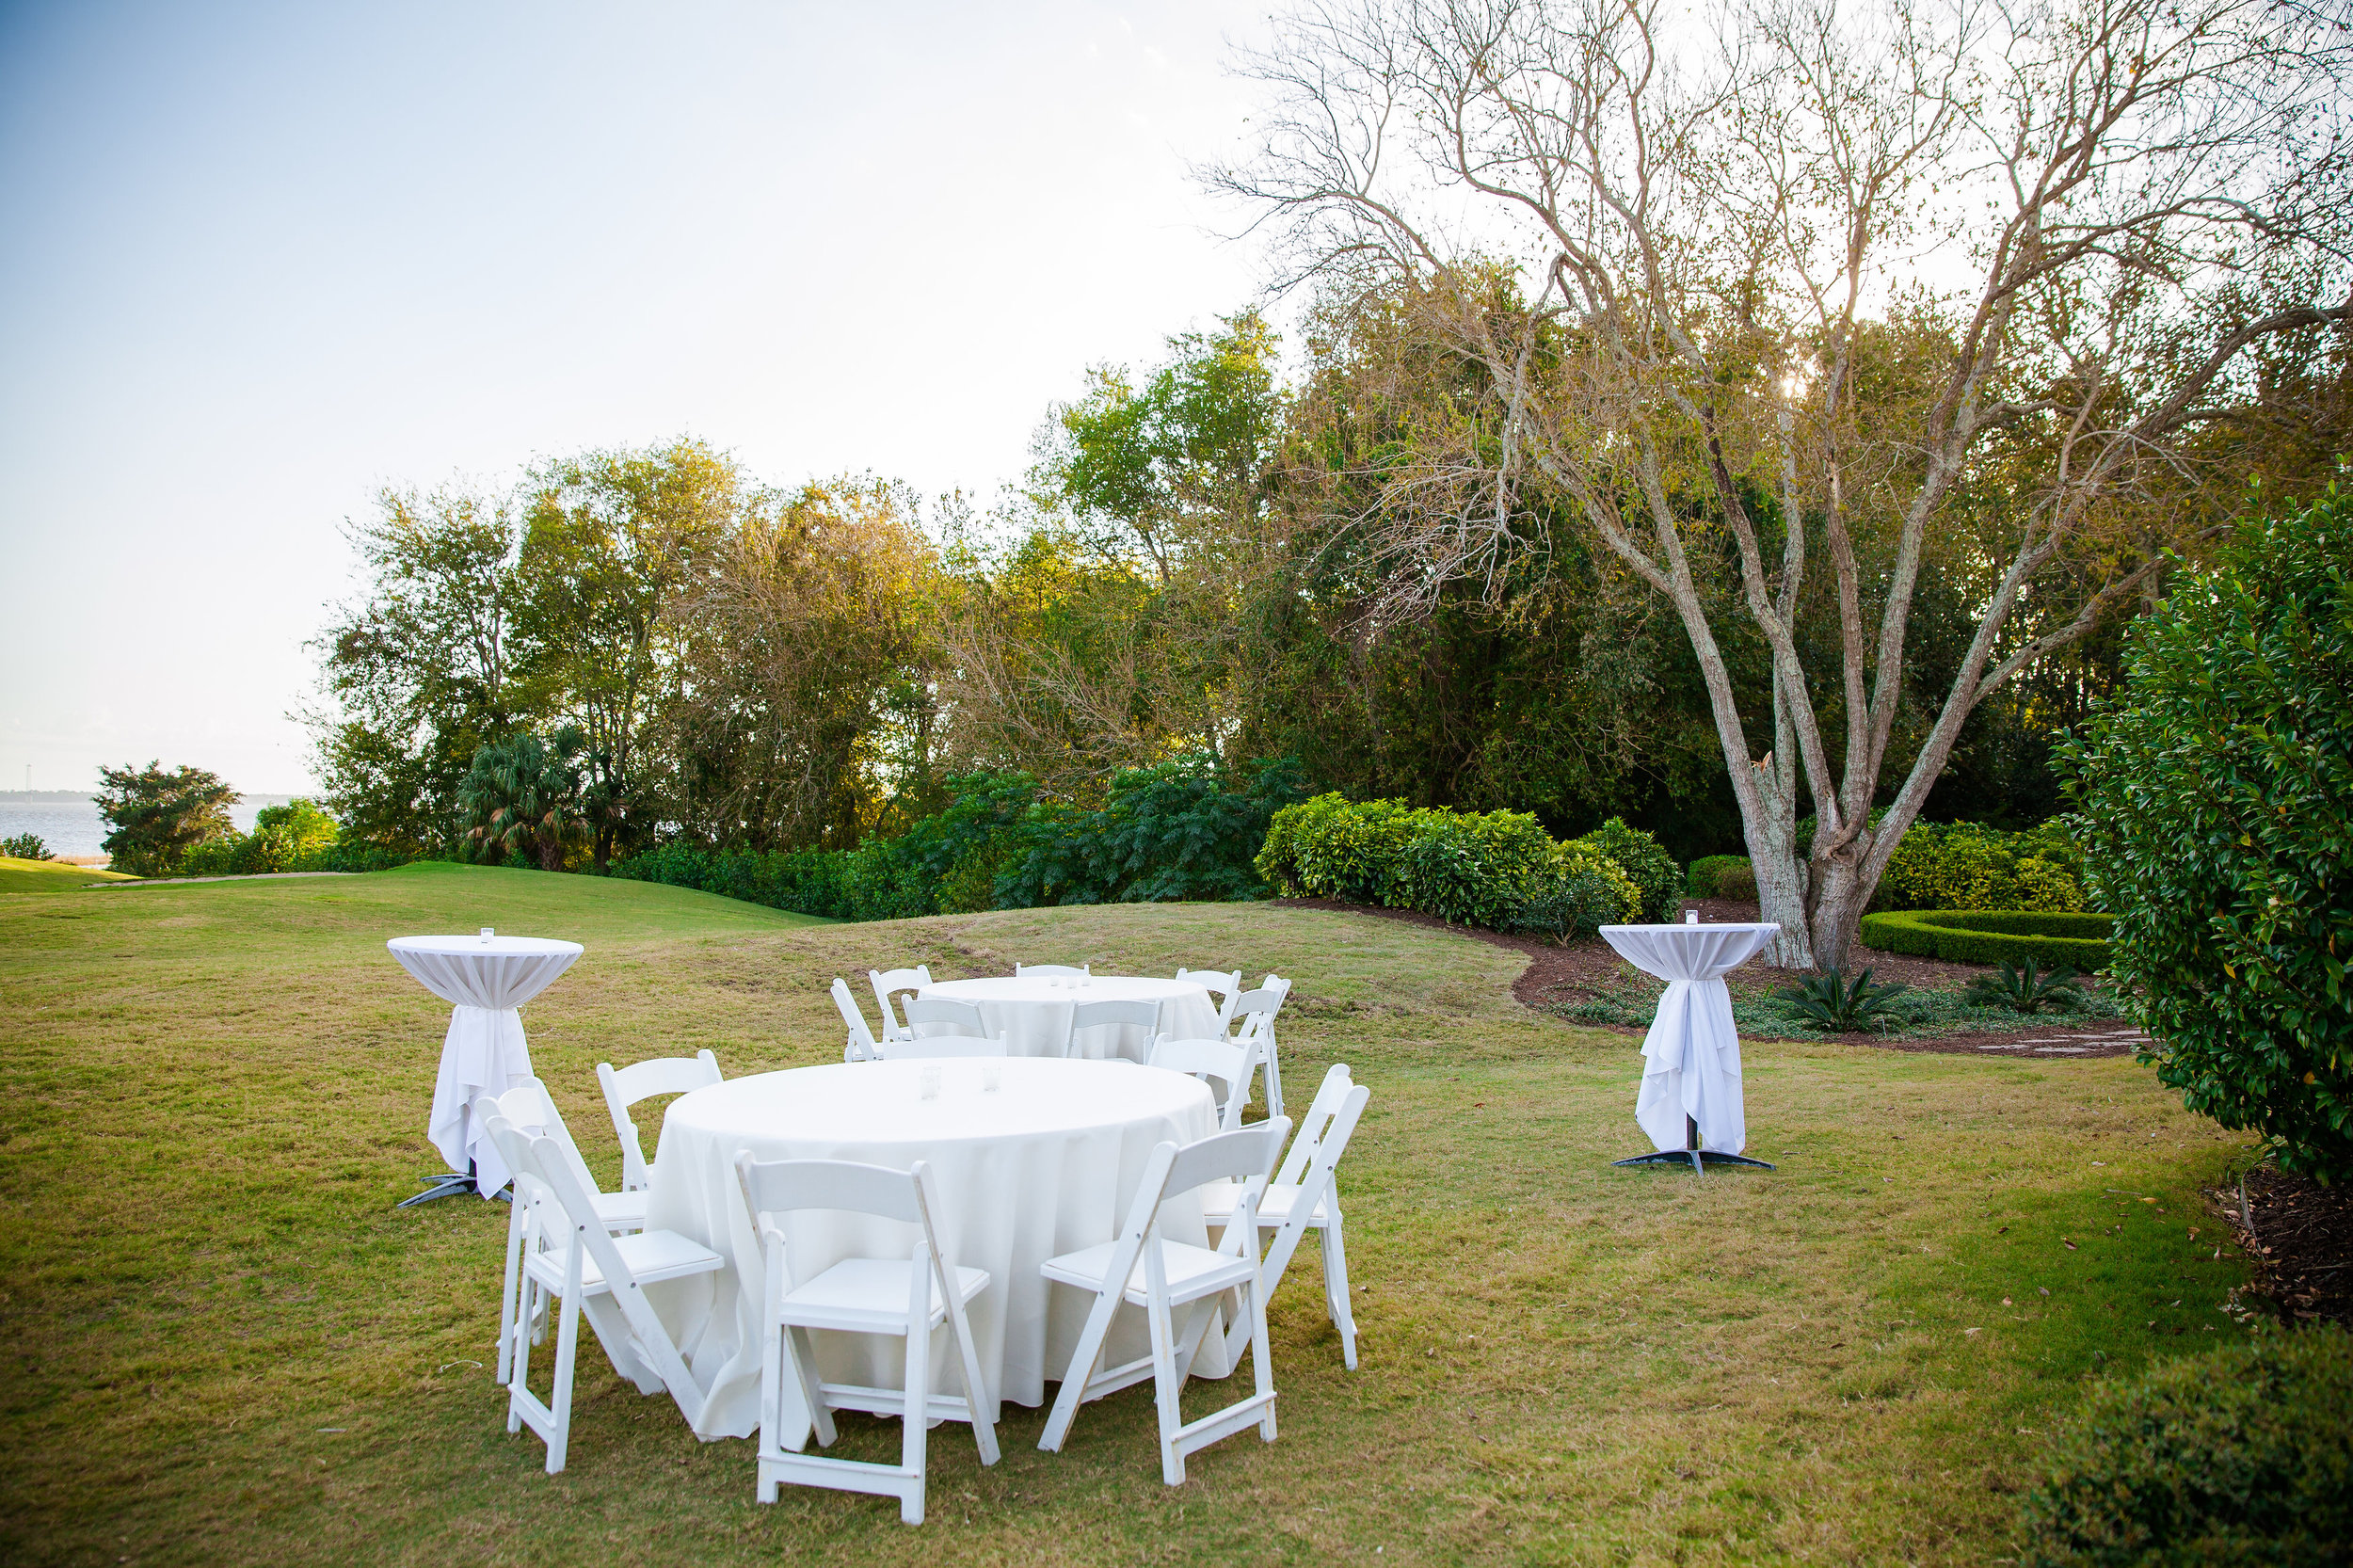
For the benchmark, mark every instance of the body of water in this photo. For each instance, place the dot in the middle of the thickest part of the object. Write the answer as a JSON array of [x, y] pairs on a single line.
[[75, 828]]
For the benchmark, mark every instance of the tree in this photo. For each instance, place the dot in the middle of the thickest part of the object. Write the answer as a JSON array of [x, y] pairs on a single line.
[[522, 799], [611, 539], [157, 817], [419, 672], [2216, 796], [1938, 291], [800, 690]]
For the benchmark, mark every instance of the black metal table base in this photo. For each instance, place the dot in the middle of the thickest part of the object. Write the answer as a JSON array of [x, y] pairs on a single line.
[[442, 1184], [1691, 1151]]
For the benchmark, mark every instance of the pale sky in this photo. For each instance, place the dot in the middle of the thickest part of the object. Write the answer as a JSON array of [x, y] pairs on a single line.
[[257, 261]]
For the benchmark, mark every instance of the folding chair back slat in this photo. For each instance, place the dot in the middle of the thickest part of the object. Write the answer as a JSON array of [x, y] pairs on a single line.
[[889, 983], [842, 1184], [625, 1086], [943, 1015], [1021, 969], [1224, 985], [1229, 1063]]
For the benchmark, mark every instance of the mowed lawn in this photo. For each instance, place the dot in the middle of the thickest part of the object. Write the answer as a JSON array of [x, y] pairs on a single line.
[[224, 1344]]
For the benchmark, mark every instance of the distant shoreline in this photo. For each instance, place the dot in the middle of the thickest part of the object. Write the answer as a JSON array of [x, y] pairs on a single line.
[[71, 797]]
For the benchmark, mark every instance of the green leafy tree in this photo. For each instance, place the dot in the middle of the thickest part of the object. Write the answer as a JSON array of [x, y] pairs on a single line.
[[418, 671], [2215, 795], [522, 799], [157, 817], [612, 540]]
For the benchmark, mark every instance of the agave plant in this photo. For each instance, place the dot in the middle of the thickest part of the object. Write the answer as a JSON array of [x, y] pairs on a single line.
[[1832, 1002], [2027, 988]]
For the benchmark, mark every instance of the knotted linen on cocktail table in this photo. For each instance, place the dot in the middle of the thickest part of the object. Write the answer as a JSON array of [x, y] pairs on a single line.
[[1691, 1057], [483, 1053]]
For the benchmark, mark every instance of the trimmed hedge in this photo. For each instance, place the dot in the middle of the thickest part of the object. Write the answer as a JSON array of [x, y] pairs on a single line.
[[2240, 1455], [1722, 876], [1650, 866], [1992, 937], [1499, 870]]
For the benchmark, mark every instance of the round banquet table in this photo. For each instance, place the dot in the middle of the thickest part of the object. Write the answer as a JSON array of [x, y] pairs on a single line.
[[1046, 1163], [1032, 1012], [488, 978], [1691, 1057]]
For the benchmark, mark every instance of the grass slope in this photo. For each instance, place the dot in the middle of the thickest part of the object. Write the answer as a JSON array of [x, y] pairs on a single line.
[[49, 876], [224, 1344]]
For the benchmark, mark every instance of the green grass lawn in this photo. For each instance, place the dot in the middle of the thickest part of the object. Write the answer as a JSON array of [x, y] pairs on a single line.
[[224, 1344], [48, 877]]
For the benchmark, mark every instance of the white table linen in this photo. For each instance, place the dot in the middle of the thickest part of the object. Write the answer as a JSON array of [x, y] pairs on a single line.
[[1691, 1057], [1032, 1012], [1045, 1164], [484, 1051]]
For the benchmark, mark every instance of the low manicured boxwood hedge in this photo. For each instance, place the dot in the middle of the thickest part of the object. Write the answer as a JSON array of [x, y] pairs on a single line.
[[1992, 936]]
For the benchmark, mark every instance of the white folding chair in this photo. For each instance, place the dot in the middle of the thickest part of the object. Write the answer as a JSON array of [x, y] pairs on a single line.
[[1304, 1195], [862, 1046], [1143, 1267], [1223, 984], [887, 982], [1230, 1063], [1080, 970], [1096, 1015], [625, 1086], [529, 1106], [1255, 1011], [593, 1275], [907, 1297]]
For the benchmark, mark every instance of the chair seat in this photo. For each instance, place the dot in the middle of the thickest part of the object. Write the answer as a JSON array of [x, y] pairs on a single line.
[[620, 1210], [1219, 1197], [1193, 1271], [867, 1295], [652, 1255]]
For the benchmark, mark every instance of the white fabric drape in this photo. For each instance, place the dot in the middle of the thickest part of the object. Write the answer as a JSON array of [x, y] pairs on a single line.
[[1045, 1164], [1033, 1013], [1691, 1057], [484, 1051]]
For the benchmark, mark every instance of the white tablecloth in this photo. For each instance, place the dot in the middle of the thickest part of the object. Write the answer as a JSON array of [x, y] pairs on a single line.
[[1046, 1164], [484, 1050], [1033, 1013], [1692, 1058]]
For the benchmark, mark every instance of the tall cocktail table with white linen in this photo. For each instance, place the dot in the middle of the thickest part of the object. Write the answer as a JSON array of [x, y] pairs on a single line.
[[1690, 1100], [1043, 1164], [487, 977], [1032, 1012]]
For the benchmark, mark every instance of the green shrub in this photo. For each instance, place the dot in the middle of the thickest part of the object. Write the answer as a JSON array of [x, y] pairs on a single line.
[[2241, 1455], [1708, 872], [1639, 855], [2217, 791], [1499, 869], [294, 836], [1967, 866], [1182, 829], [26, 846], [1992, 936]]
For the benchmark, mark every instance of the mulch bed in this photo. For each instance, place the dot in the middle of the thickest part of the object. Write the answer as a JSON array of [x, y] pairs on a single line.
[[2300, 1236], [1563, 975]]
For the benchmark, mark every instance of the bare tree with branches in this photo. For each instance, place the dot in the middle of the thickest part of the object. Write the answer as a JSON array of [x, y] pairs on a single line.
[[1953, 285]]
